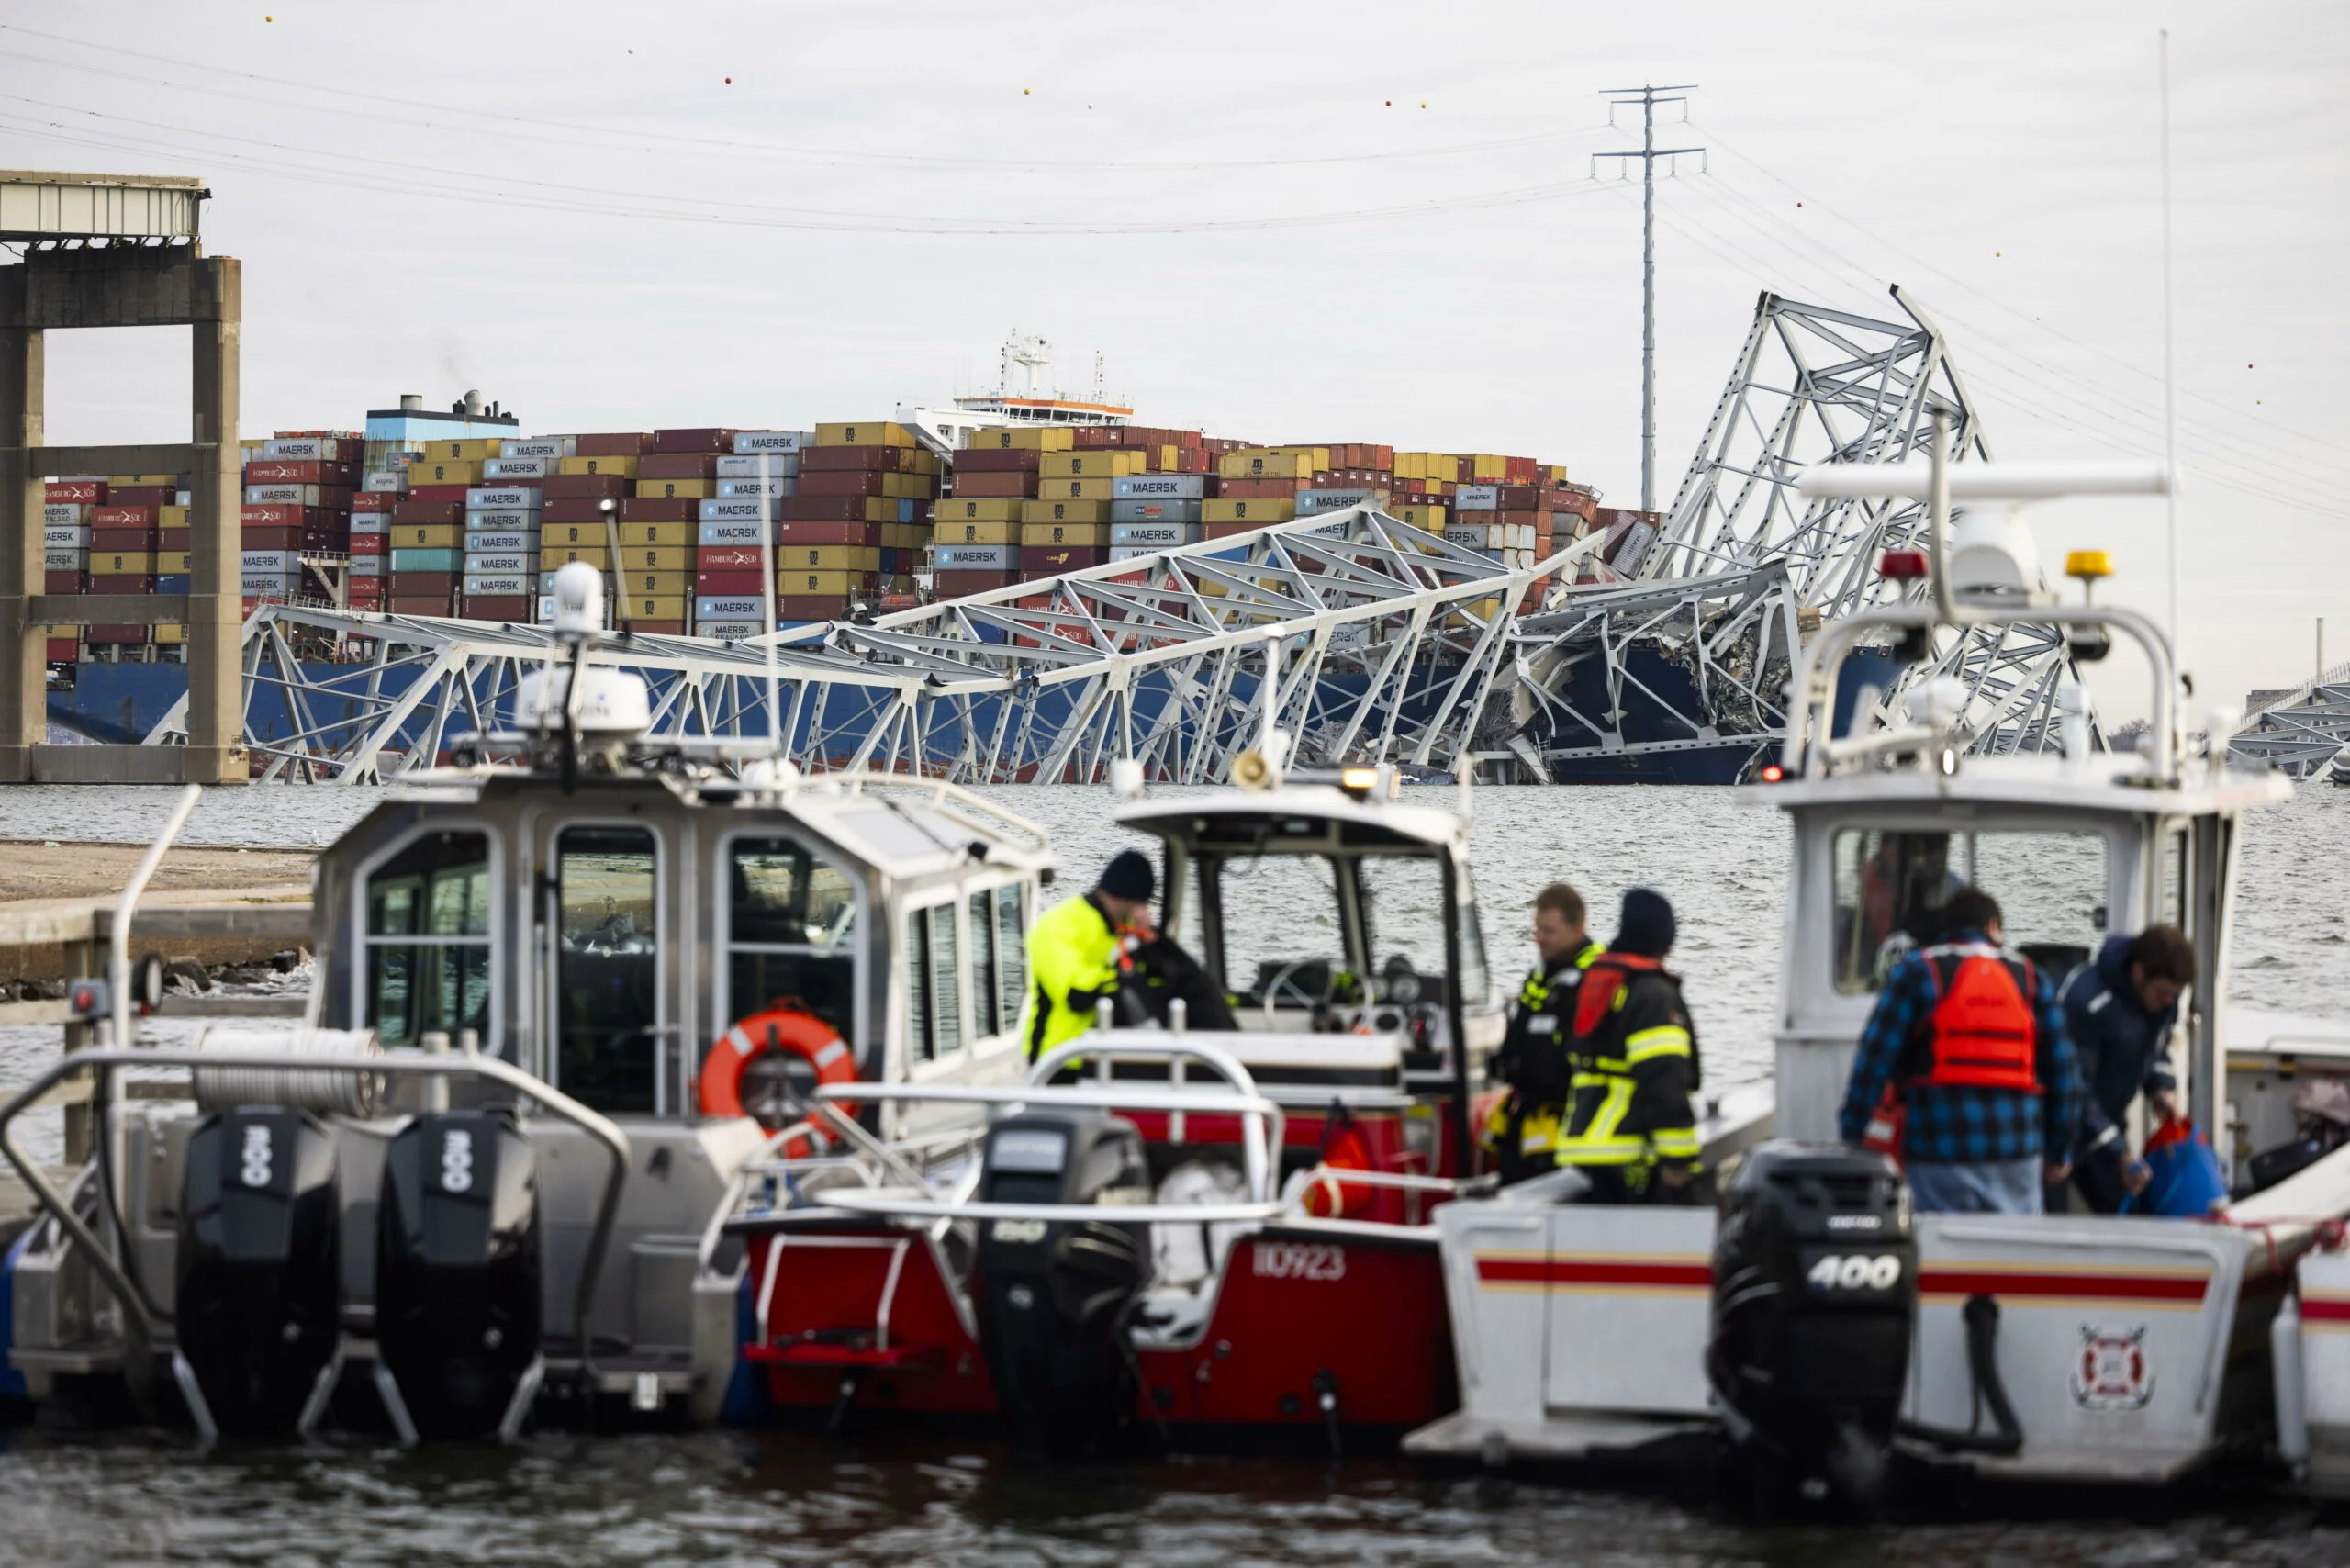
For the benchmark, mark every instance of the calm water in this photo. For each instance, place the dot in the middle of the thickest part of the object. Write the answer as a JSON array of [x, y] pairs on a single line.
[[733, 1498]]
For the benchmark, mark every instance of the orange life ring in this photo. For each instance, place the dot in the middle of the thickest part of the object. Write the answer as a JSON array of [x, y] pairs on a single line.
[[1326, 1197], [720, 1087]]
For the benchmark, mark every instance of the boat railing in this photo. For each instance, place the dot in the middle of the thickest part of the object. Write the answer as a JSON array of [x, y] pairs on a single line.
[[141, 1316]]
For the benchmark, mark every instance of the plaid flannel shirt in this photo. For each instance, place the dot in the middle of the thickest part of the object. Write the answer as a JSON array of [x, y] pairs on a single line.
[[1963, 1125]]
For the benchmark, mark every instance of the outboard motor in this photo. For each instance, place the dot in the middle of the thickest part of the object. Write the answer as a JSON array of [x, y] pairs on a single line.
[[260, 1275], [1058, 1296], [457, 1267], [1815, 1303]]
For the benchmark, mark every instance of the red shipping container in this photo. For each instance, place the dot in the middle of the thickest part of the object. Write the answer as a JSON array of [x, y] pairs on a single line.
[[77, 492], [1049, 560], [676, 466], [417, 604], [125, 583], [814, 607], [64, 582], [650, 509], [627, 443], [373, 501], [658, 628], [669, 442], [979, 484], [868, 459], [133, 635], [727, 558], [367, 544], [144, 496], [64, 650], [176, 539], [1226, 530], [581, 487], [277, 472], [290, 517], [804, 531], [840, 482], [978, 460], [1257, 489], [427, 513], [729, 583], [123, 539], [579, 508], [827, 508], [271, 539], [424, 582], [500, 607], [955, 584], [438, 493], [122, 517]]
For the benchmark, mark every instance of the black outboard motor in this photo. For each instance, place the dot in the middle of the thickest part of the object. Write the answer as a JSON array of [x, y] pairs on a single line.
[[1057, 1297], [457, 1269], [1815, 1302], [260, 1276]]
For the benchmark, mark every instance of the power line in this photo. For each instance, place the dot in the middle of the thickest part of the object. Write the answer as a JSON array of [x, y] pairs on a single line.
[[1648, 153], [498, 122]]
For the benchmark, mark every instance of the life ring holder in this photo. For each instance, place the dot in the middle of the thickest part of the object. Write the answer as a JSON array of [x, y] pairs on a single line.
[[787, 1026]]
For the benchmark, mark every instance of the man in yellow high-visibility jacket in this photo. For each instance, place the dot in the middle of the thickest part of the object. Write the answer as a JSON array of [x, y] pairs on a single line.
[[1073, 951]]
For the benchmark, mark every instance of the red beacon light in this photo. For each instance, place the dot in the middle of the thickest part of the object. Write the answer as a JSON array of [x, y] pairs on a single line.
[[1772, 773], [1903, 565]]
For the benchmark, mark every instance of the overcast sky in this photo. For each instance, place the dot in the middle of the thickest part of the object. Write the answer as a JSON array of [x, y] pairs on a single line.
[[1363, 221]]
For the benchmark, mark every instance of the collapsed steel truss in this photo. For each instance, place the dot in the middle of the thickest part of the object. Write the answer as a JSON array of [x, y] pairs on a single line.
[[2302, 730], [1387, 641], [1380, 635]]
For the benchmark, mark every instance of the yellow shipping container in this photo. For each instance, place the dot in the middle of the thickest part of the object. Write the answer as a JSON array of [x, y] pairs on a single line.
[[654, 607], [171, 561], [1024, 438], [425, 471], [657, 534], [1280, 509], [122, 563], [553, 555], [1267, 463], [908, 486], [145, 481], [623, 466], [472, 448], [1094, 464], [878, 432], [172, 517], [979, 508], [426, 536], [669, 490], [656, 557], [1066, 511], [173, 632], [922, 460], [592, 533], [1433, 518], [803, 558], [822, 582], [1486, 468], [1063, 533], [1077, 489], [992, 531], [666, 583]]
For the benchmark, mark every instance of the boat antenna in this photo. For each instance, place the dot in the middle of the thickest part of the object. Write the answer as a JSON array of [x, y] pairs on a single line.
[[766, 596], [2170, 381]]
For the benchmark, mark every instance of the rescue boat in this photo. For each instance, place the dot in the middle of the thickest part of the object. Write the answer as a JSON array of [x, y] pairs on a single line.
[[1807, 1326], [557, 987], [1166, 1234]]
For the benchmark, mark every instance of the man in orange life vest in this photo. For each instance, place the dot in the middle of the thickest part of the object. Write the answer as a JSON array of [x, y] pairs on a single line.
[[1966, 1051]]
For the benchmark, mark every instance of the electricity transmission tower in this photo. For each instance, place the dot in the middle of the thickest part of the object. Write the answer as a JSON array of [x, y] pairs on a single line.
[[1648, 99]]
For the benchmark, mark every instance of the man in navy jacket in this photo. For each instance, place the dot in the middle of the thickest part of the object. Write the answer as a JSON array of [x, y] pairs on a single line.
[[2119, 1012]]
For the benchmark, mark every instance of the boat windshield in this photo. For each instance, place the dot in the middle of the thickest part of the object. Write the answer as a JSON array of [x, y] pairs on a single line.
[[429, 940], [607, 969], [790, 922], [1302, 929], [1891, 887]]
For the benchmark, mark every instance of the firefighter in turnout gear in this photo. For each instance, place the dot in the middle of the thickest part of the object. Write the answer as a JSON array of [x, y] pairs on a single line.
[[1522, 1129], [1631, 1129]]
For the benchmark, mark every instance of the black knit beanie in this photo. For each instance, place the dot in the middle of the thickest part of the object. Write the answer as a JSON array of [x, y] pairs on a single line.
[[1128, 876], [1647, 927]]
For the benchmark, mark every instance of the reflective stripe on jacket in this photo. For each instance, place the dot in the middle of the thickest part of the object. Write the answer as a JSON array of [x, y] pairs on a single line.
[[1635, 1065], [1532, 1060], [1072, 958]]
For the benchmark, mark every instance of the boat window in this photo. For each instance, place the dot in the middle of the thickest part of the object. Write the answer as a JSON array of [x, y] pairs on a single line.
[[428, 939], [1282, 928], [1891, 887], [608, 968], [2177, 904], [933, 984], [1403, 910], [1012, 950], [790, 918], [987, 1012]]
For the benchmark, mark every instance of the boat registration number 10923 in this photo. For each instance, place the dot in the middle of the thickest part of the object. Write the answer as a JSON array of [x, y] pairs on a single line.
[[1300, 1260], [1854, 1272]]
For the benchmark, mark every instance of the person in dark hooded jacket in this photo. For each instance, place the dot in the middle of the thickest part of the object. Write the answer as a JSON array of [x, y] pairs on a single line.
[[2119, 1012], [1631, 1129]]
